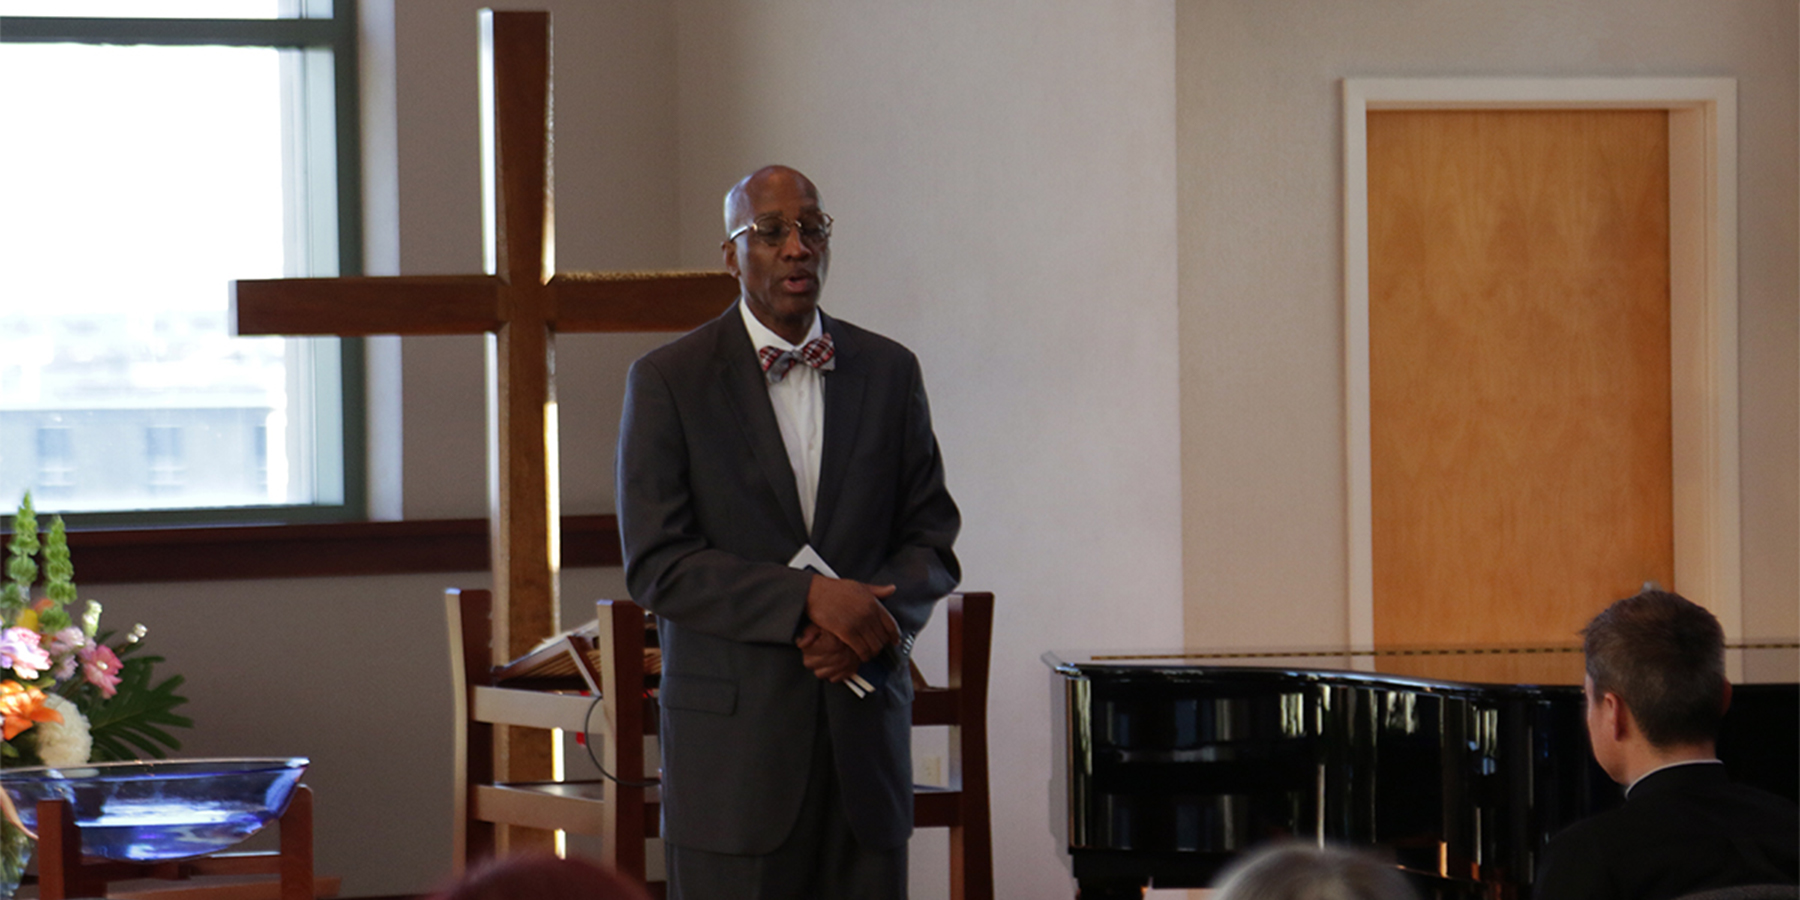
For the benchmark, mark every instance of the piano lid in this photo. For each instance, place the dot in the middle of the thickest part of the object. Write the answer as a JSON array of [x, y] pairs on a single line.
[[1761, 661]]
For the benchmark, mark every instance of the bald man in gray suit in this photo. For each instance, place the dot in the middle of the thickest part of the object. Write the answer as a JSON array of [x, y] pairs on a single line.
[[773, 432]]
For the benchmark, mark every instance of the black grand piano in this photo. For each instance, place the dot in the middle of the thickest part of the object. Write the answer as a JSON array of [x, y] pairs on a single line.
[[1167, 767]]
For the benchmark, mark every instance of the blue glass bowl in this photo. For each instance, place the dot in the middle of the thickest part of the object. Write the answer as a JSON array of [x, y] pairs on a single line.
[[157, 810]]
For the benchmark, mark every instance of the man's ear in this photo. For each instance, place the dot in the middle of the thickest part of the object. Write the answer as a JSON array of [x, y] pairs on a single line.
[[1616, 716], [729, 249], [1725, 699]]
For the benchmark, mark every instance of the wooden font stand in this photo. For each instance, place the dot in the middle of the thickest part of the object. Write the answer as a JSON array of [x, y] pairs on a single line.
[[64, 873]]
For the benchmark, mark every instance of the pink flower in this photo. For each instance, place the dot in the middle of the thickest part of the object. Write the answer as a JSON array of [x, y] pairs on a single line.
[[69, 638], [100, 666], [20, 652], [62, 646]]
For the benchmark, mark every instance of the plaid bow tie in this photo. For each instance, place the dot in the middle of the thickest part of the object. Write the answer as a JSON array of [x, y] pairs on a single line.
[[818, 353]]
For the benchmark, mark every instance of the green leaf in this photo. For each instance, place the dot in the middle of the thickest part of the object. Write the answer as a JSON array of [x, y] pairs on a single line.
[[131, 724], [53, 620], [25, 529], [22, 749], [15, 852], [21, 569], [59, 570]]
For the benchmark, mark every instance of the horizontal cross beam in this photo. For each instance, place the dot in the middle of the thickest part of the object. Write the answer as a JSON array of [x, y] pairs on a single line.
[[473, 304]]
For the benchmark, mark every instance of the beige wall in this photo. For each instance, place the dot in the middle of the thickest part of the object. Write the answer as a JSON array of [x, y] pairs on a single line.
[[1261, 260]]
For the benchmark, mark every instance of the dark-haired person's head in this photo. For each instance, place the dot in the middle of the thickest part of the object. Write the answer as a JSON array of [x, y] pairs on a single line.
[[1662, 657], [542, 877]]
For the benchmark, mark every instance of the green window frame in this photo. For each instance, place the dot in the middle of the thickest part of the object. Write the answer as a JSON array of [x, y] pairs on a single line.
[[329, 148]]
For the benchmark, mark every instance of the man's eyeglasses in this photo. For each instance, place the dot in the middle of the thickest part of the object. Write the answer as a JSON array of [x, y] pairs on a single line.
[[773, 230]]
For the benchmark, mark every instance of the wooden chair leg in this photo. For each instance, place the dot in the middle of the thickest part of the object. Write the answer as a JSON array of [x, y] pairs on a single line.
[[55, 837], [971, 839], [297, 847], [621, 680], [471, 639], [60, 873]]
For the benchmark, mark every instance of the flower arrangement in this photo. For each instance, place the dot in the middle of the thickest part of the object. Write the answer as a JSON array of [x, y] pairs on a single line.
[[69, 693], [67, 696]]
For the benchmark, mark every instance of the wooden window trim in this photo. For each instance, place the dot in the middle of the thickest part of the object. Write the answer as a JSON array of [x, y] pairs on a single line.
[[142, 555]]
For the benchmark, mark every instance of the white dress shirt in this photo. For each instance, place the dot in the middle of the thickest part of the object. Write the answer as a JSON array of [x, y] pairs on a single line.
[[799, 402]]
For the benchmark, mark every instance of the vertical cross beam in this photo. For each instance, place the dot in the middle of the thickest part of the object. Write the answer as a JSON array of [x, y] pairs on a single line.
[[522, 495], [518, 207]]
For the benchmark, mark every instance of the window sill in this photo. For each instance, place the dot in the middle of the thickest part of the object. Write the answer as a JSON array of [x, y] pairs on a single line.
[[116, 556]]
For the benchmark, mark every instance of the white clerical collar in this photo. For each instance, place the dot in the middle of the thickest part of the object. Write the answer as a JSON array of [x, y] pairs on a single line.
[[762, 336], [1685, 762]]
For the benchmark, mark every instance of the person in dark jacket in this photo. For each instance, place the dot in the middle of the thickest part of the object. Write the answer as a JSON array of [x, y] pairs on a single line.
[[1656, 691]]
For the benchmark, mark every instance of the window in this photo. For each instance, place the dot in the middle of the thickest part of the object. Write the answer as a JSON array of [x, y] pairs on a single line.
[[56, 462], [145, 162]]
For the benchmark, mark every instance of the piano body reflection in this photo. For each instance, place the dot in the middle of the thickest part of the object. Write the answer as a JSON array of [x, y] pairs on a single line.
[[1168, 767]]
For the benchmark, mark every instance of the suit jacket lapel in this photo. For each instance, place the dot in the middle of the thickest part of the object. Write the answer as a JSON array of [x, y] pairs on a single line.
[[843, 415], [737, 369]]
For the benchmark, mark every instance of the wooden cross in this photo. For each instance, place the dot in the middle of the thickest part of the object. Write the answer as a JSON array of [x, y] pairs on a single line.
[[523, 302]]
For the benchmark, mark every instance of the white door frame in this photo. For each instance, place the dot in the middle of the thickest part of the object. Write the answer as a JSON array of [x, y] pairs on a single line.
[[1703, 329]]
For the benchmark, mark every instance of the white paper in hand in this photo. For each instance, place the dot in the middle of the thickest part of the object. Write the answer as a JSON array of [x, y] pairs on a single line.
[[810, 560]]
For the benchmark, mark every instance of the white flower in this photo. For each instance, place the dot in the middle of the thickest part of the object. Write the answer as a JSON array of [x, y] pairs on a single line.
[[65, 743]]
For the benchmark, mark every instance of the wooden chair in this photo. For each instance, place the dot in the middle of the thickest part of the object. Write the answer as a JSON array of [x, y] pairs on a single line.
[[625, 815], [962, 704]]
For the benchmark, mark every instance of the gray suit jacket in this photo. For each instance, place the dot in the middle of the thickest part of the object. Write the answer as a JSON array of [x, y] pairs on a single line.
[[709, 516]]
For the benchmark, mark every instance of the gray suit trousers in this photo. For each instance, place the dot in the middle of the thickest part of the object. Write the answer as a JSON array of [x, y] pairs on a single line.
[[821, 857]]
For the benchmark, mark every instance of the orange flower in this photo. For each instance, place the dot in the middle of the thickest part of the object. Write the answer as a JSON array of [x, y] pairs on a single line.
[[23, 707]]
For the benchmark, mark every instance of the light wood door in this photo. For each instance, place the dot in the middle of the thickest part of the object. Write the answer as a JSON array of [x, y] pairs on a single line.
[[1519, 376]]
